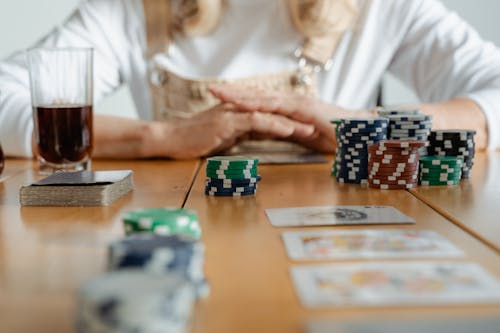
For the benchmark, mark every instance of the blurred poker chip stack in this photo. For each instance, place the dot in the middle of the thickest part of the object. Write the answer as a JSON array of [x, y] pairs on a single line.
[[354, 137], [231, 176], [163, 221], [459, 143], [393, 164], [176, 254], [440, 170], [131, 301]]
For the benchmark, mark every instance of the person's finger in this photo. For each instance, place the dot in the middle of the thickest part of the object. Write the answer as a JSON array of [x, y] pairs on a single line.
[[274, 125], [249, 98], [294, 106]]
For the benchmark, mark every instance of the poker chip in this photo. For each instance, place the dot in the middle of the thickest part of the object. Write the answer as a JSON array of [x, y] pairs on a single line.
[[354, 135], [175, 254], [230, 183], [393, 164], [459, 143], [232, 189], [135, 301], [440, 170], [231, 161], [231, 176], [230, 194], [163, 221]]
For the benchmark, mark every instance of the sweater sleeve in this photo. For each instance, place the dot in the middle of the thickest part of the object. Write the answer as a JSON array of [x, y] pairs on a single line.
[[441, 57], [95, 23]]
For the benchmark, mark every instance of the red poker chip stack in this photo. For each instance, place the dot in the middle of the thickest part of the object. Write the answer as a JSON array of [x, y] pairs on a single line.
[[393, 164]]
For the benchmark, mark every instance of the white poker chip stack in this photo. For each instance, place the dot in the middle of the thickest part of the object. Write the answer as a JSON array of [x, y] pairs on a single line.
[[133, 301]]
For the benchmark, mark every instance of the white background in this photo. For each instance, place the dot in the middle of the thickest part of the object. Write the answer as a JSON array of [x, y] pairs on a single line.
[[24, 21]]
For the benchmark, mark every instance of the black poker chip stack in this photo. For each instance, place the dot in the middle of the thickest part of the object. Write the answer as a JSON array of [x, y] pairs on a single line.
[[459, 143]]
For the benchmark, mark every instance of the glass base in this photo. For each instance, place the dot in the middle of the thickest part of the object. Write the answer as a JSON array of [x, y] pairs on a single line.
[[48, 168]]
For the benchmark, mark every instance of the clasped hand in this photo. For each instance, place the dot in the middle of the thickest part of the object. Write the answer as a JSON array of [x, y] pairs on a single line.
[[257, 114]]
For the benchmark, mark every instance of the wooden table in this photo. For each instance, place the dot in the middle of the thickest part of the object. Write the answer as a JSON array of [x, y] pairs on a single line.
[[475, 204], [47, 253], [249, 271]]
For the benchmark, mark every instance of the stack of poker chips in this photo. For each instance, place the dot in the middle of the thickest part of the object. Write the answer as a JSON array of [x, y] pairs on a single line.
[[231, 176], [156, 275], [177, 254], [440, 170], [393, 164], [354, 137], [163, 221], [459, 143], [131, 301]]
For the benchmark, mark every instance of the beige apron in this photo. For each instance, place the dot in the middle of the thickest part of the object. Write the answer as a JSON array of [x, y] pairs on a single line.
[[177, 97]]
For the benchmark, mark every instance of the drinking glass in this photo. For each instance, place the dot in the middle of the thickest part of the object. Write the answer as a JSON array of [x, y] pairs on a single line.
[[1, 160], [61, 83]]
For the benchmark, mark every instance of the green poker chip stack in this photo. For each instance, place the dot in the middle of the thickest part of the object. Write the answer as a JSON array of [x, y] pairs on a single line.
[[163, 221], [231, 176], [440, 170]]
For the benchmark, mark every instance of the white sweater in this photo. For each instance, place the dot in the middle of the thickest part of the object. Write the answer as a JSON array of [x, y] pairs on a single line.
[[428, 47]]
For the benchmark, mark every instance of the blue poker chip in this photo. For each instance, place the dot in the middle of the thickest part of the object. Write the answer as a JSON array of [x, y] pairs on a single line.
[[364, 121], [229, 187], [233, 189], [362, 128], [360, 131], [230, 194]]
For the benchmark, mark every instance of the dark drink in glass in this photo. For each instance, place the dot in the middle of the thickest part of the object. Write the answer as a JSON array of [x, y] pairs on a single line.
[[61, 81], [63, 133]]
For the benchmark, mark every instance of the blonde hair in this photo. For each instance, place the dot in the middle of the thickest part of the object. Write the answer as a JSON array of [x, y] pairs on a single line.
[[310, 17]]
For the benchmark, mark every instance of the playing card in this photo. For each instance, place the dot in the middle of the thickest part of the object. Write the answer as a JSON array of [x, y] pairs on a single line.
[[351, 244], [413, 325], [335, 215], [394, 283]]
